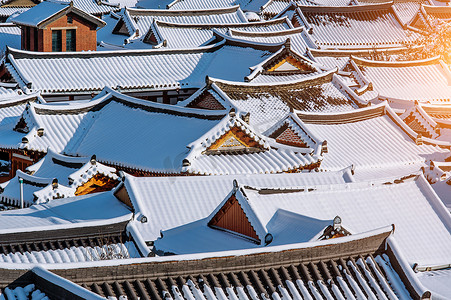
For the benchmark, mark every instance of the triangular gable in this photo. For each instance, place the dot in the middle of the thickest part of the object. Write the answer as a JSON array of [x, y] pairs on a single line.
[[121, 28], [233, 140], [232, 218], [286, 135], [206, 101], [289, 132], [288, 62]]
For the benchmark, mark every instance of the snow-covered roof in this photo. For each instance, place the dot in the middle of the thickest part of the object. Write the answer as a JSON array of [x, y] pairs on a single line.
[[82, 211], [181, 5], [171, 35], [269, 103], [133, 70], [168, 202], [300, 40], [47, 11], [372, 138], [91, 6], [356, 26], [405, 9], [11, 110], [139, 21], [202, 142], [9, 36], [54, 176], [426, 80], [421, 222]]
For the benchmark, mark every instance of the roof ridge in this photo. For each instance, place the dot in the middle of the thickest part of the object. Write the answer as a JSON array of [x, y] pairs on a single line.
[[410, 63], [346, 9], [143, 11], [268, 33], [211, 25]]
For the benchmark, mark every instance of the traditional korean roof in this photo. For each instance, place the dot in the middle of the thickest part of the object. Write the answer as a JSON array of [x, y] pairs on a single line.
[[5, 12], [133, 70], [427, 81], [46, 12], [137, 22], [56, 176], [371, 139], [92, 7], [405, 9], [417, 119], [269, 103], [300, 40], [188, 205], [164, 34], [361, 207], [203, 142], [64, 214], [355, 27], [9, 36], [11, 110], [181, 5], [427, 17]]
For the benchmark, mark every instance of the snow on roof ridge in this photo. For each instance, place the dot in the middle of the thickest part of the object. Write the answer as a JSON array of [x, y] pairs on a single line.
[[223, 10], [233, 25], [436, 9], [20, 99], [334, 113], [111, 94], [91, 168], [349, 8], [230, 40], [350, 52], [409, 63], [301, 80], [65, 158], [418, 177], [33, 54], [32, 178], [283, 32], [73, 224]]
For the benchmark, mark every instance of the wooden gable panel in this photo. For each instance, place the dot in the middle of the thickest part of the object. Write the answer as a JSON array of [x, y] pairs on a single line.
[[286, 135], [98, 183], [206, 101], [231, 217], [233, 140], [288, 64], [122, 195], [289, 137]]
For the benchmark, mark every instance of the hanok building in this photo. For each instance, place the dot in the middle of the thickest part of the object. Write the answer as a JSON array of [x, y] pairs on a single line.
[[402, 83], [405, 9], [135, 23], [429, 16], [354, 27], [167, 76], [58, 176], [374, 139], [203, 142], [11, 109], [57, 27], [186, 204], [268, 103]]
